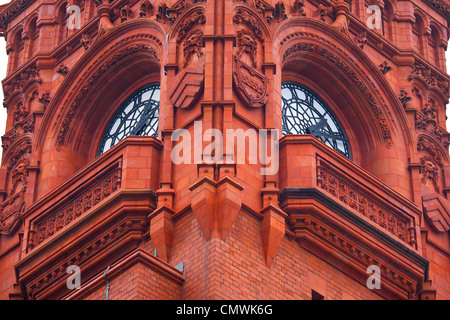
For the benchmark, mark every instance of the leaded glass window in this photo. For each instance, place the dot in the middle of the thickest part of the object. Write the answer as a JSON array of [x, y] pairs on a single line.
[[138, 116], [304, 113]]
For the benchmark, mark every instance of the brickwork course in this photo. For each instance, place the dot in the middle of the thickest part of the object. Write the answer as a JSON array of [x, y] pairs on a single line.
[[141, 226]]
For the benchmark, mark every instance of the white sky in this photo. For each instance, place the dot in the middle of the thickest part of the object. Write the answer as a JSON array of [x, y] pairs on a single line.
[[4, 60]]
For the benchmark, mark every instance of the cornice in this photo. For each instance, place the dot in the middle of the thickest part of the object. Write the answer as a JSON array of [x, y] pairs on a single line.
[[441, 6]]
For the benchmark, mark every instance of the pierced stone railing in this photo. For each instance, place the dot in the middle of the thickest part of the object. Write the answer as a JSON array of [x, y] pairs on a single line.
[[132, 165], [101, 187], [308, 164], [334, 183]]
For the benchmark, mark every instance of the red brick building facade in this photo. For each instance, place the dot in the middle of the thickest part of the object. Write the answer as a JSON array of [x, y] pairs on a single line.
[[364, 185]]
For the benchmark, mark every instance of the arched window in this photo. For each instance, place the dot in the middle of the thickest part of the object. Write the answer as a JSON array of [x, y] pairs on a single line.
[[62, 19], [418, 30], [387, 17], [304, 113], [18, 48], [138, 116], [433, 46], [33, 32]]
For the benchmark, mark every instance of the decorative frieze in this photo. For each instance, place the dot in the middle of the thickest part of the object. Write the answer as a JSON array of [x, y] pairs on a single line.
[[78, 205], [431, 78], [356, 255], [351, 196], [20, 81]]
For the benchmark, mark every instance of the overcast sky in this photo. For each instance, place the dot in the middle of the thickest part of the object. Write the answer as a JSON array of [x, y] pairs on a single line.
[[3, 64]]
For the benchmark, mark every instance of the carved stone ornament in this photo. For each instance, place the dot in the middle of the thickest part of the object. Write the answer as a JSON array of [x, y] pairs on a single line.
[[321, 12], [247, 45], [12, 208], [192, 45], [404, 97], [10, 213], [105, 67], [432, 79], [241, 17], [361, 39], [20, 82], [20, 112], [146, 9], [384, 67], [126, 13], [251, 85], [162, 15], [196, 18], [44, 99], [430, 171], [85, 41], [427, 145], [62, 69], [298, 8], [279, 13]]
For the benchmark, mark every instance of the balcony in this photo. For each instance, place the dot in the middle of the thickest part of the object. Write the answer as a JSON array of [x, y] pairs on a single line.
[[348, 217], [91, 220]]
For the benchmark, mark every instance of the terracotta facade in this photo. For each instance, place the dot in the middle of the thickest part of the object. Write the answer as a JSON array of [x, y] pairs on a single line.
[[222, 229]]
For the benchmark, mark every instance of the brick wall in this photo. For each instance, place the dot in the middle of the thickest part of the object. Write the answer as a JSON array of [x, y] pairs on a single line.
[[235, 269], [138, 283]]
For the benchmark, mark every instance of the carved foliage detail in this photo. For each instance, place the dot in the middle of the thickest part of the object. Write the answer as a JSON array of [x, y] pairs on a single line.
[[193, 45], [298, 8], [432, 79], [78, 206], [146, 9], [367, 207], [251, 85], [241, 17], [197, 18], [404, 97], [361, 39], [353, 77], [20, 82], [12, 208]]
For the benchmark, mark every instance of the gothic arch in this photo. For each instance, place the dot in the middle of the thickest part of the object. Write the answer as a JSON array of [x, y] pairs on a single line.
[[91, 90], [245, 15], [195, 15], [383, 118]]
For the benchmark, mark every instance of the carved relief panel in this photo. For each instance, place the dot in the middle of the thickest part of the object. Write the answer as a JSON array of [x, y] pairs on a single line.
[[17, 181], [186, 86], [250, 84]]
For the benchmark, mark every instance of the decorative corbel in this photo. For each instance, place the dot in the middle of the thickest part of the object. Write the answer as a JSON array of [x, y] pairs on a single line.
[[273, 225], [342, 11]]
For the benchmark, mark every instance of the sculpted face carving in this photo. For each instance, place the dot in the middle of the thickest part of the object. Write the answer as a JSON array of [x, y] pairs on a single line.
[[430, 171], [247, 45], [192, 45], [19, 174]]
